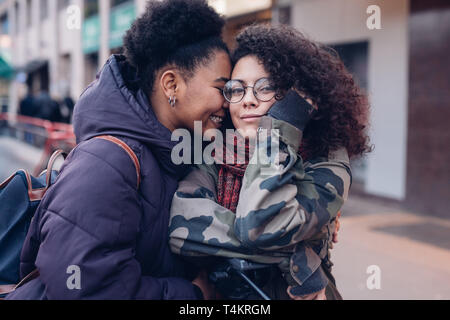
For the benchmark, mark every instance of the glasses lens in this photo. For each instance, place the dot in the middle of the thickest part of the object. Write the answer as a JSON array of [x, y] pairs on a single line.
[[233, 91], [264, 90]]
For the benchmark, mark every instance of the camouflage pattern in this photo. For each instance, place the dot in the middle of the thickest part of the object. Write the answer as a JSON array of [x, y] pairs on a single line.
[[285, 213]]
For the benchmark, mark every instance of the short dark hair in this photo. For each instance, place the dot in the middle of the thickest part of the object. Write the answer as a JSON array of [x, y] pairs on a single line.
[[293, 60], [184, 33]]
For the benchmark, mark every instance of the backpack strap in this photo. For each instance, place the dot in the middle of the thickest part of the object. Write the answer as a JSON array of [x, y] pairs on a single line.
[[128, 150], [9, 288]]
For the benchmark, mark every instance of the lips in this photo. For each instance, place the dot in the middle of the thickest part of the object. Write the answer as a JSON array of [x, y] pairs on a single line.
[[251, 117]]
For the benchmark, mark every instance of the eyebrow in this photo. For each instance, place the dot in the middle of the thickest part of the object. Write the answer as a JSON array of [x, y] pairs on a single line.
[[221, 79]]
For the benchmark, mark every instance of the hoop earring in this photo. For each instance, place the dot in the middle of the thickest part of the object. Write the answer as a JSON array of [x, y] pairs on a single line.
[[173, 101]]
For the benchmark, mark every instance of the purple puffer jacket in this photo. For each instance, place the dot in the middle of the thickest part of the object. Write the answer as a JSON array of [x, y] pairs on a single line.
[[94, 218]]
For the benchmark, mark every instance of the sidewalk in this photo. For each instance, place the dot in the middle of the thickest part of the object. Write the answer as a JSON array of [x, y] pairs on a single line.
[[15, 155], [411, 250]]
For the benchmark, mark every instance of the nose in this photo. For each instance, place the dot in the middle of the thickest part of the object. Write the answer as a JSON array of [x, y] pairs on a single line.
[[249, 99]]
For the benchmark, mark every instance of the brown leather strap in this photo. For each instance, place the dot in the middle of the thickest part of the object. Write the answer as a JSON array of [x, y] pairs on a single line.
[[8, 180], [33, 196], [36, 194], [51, 163], [129, 151], [32, 275], [8, 288]]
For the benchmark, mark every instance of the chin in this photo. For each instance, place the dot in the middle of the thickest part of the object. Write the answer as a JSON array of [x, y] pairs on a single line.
[[247, 132]]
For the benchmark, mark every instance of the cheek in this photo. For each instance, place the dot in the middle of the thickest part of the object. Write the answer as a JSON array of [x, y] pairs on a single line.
[[195, 107], [215, 102], [208, 105], [235, 111], [265, 107]]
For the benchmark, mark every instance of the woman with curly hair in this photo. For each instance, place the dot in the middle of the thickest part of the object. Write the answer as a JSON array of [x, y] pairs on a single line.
[[104, 221], [280, 214]]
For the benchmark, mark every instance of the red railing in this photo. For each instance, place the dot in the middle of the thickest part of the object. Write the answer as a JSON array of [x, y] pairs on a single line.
[[57, 135]]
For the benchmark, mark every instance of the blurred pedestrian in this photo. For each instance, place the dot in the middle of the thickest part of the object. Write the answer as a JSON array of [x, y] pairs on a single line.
[[66, 108], [28, 105], [48, 107], [29, 108]]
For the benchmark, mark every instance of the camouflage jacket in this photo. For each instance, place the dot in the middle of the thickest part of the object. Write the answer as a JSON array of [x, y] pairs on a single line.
[[285, 212]]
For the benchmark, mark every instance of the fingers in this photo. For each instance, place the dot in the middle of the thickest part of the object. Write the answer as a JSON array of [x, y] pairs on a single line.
[[321, 295], [295, 297], [337, 228], [338, 222], [335, 238], [313, 296], [289, 293], [205, 286]]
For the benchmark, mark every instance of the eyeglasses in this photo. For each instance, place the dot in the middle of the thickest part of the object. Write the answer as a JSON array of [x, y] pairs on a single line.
[[235, 90]]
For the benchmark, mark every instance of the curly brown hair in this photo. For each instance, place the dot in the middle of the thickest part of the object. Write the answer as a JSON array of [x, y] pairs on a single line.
[[293, 61]]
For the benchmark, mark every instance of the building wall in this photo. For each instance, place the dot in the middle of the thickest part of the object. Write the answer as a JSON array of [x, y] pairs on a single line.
[[428, 169], [50, 39], [344, 21]]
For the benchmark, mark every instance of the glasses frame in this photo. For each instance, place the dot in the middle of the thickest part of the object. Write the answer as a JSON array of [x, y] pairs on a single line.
[[245, 91]]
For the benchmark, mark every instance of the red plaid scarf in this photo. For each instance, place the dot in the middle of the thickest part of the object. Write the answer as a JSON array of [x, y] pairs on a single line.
[[231, 175]]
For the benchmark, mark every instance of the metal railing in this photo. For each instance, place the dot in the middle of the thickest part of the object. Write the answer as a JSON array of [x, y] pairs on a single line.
[[53, 134]]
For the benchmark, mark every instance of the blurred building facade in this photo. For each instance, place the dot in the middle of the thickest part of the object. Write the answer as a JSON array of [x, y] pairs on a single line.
[[404, 68], [59, 45]]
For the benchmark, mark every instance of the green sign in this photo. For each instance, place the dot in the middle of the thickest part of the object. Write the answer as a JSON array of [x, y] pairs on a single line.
[[91, 34], [6, 71], [120, 21]]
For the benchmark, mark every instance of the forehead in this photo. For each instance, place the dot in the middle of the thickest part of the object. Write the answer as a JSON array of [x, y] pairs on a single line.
[[249, 69], [219, 66]]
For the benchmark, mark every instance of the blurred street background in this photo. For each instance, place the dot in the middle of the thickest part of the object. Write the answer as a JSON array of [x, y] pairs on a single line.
[[397, 219]]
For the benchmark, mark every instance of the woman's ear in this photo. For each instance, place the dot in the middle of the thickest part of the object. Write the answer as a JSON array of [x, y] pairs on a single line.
[[168, 83], [173, 85]]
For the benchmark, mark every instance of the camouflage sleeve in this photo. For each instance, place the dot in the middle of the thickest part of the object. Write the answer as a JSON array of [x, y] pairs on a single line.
[[199, 226], [282, 204], [279, 207]]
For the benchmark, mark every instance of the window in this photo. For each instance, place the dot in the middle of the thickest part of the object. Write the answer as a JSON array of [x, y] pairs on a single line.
[[117, 2], [63, 4], [16, 18], [4, 24], [29, 16], [284, 15], [355, 57], [44, 9], [90, 8]]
